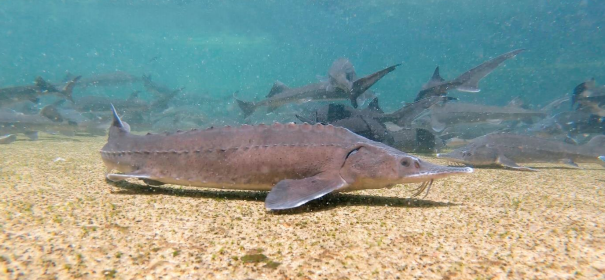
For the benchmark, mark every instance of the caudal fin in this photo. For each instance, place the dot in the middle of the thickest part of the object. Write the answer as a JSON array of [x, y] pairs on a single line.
[[362, 84], [69, 87], [247, 107]]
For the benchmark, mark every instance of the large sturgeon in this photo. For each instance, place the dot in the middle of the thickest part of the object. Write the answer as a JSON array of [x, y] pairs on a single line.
[[297, 163]]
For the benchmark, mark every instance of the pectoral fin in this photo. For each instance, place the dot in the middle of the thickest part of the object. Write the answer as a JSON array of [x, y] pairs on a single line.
[[293, 193], [506, 162], [569, 162]]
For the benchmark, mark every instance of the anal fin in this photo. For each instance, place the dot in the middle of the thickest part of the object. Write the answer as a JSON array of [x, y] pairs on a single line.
[[293, 193], [508, 163]]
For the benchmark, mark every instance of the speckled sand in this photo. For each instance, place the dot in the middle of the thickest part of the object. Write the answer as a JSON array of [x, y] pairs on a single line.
[[60, 219]]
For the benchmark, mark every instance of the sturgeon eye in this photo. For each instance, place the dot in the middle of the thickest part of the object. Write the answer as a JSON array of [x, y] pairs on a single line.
[[405, 163]]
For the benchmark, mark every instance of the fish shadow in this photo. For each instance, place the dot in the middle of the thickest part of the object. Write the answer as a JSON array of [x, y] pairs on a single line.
[[327, 202]]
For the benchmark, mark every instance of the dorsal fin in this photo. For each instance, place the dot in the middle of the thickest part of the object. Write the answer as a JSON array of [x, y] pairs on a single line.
[[278, 87], [435, 80], [597, 141], [117, 122], [374, 106]]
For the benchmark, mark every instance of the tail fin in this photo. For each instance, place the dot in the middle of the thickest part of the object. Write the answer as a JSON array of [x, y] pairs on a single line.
[[69, 87], [362, 84], [247, 107], [117, 125], [469, 80]]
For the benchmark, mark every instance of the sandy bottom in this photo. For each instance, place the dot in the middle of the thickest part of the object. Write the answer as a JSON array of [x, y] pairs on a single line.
[[60, 219]]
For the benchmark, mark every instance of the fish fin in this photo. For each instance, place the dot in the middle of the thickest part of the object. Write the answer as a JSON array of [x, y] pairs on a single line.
[[305, 119], [277, 88], [602, 158], [435, 80], [32, 135], [436, 125], [506, 162], [117, 123], [569, 162], [69, 87], [469, 80], [374, 106], [7, 139], [293, 193], [247, 107], [50, 112], [597, 141], [115, 177], [570, 140], [362, 84]]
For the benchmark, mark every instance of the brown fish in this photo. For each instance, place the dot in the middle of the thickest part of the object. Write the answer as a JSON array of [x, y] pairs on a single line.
[[296, 163]]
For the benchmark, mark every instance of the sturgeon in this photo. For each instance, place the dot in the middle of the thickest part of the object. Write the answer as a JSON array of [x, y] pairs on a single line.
[[296, 163], [342, 84], [32, 93], [467, 82], [507, 150]]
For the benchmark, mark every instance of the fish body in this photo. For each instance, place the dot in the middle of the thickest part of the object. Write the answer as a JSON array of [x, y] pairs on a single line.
[[342, 85], [10, 95], [112, 79], [296, 163], [467, 82], [508, 150], [7, 139], [14, 123], [452, 113]]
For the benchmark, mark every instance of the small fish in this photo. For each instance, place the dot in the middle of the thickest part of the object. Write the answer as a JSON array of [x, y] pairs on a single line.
[[112, 79], [342, 84], [47, 120], [508, 150], [10, 95], [468, 81], [295, 163]]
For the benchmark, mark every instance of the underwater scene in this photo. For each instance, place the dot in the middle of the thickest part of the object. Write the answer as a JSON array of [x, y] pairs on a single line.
[[310, 139]]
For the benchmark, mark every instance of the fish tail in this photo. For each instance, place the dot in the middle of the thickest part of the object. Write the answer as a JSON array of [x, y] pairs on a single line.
[[247, 107], [362, 84], [69, 87]]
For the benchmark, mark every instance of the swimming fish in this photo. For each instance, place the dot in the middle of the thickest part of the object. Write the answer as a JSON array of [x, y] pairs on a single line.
[[468, 81], [342, 84], [507, 150], [111, 79], [296, 163], [32, 93]]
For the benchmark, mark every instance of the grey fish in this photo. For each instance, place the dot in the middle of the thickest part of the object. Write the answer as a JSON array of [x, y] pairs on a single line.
[[297, 163], [589, 98], [452, 113], [13, 123], [342, 85], [507, 150], [468, 81], [158, 90], [32, 93], [7, 139], [91, 103], [407, 114], [113, 79]]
